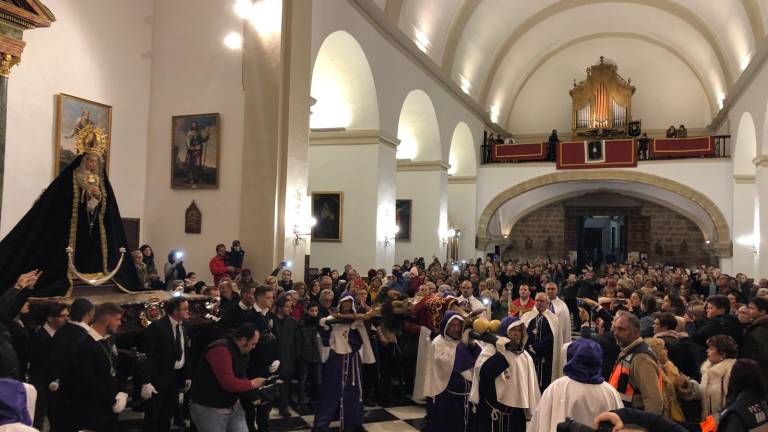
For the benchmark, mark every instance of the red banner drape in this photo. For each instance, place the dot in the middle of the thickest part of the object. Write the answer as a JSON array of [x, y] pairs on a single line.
[[597, 154], [527, 152], [683, 147]]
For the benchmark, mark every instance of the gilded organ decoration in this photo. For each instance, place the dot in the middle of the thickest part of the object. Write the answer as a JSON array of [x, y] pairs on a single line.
[[602, 101]]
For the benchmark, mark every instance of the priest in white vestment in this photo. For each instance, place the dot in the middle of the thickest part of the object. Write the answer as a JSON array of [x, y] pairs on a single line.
[[581, 394], [560, 309]]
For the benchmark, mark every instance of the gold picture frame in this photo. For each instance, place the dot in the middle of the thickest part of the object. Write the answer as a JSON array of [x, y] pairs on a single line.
[[72, 114], [328, 211]]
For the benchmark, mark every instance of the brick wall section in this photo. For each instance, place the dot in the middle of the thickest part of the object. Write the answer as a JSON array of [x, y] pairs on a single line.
[[548, 221], [668, 228]]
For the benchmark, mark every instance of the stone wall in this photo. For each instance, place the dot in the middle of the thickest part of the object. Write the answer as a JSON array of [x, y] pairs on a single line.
[[670, 236], [679, 239], [536, 228]]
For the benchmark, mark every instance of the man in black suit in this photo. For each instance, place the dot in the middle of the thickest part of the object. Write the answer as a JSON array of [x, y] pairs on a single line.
[[235, 314], [166, 345], [56, 315], [263, 359], [97, 400], [81, 313]]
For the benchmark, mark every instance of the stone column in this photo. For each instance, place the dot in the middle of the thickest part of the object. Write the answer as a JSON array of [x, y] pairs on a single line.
[[361, 165], [761, 202], [276, 76], [462, 205], [425, 183], [744, 223]]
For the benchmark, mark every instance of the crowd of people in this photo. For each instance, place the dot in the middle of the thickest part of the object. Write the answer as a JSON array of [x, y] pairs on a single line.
[[486, 345]]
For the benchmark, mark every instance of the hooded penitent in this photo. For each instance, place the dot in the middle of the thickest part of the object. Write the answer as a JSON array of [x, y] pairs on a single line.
[[517, 386], [585, 362], [443, 352]]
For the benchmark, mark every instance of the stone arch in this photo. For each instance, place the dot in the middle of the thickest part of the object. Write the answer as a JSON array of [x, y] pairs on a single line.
[[722, 234], [418, 129], [461, 157], [745, 149], [343, 86]]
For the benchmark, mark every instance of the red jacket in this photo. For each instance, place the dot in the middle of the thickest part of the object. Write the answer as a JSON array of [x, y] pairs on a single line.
[[218, 268]]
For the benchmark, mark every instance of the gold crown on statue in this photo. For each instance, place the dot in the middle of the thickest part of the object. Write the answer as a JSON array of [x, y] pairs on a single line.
[[91, 140]]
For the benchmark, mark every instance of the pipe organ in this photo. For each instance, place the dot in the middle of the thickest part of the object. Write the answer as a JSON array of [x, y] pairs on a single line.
[[602, 101]]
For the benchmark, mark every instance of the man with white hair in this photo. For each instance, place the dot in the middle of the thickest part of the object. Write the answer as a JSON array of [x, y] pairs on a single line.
[[544, 341], [560, 309]]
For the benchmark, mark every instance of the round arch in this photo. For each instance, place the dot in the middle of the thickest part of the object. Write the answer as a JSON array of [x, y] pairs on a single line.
[[506, 111], [461, 157], [674, 9], [343, 86], [722, 234], [745, 150], [418, 129]]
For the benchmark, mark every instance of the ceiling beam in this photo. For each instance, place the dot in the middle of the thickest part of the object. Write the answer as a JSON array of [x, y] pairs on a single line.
[[458, 25]]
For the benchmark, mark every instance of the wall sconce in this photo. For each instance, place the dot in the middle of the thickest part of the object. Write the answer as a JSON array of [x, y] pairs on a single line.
[[303, 229], [751, 241], [389, 236]]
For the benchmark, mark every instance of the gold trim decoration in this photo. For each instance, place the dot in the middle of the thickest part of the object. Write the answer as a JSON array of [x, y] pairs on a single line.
[[7, 61], [92, 140], [152, 312], [94, 279]]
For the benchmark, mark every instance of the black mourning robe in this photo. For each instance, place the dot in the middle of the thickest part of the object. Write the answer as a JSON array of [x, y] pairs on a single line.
[[541, 339], [40, 238]]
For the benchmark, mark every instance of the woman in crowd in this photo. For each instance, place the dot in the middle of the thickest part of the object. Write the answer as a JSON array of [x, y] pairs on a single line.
[[747, 406], [715, 373], [148, 257], [669, 374], [647, 313]]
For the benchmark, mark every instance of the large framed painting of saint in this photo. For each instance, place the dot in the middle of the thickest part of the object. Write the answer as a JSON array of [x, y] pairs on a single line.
[[195, 151], [328, 211], [73, 114], [403, 209]]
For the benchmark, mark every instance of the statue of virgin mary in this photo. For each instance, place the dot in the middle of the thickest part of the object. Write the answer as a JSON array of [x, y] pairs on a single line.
[[77, 211]]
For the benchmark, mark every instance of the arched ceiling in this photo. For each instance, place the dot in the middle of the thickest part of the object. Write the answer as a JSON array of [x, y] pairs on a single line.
[[490, 48]]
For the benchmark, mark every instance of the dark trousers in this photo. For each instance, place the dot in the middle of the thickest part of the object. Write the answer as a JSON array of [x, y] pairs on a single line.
[[313, 372], [43, 405], [258, 414], [161, 408]]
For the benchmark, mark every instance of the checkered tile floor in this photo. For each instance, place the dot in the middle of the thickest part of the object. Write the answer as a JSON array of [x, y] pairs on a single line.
[[405, 416]]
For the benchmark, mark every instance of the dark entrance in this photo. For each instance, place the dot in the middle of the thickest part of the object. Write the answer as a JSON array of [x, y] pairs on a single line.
[[600, 239]]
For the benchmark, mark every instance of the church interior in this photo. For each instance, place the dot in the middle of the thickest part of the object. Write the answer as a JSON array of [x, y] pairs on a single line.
[[323, 135]]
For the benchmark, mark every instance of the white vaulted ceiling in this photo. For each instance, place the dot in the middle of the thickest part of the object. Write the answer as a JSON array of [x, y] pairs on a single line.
[[494, 48]]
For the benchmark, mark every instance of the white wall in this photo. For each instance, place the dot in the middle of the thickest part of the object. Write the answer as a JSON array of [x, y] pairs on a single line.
[[98, 50], [193, 73], [394, 74], [355, 171], [667, 91], [427, 190], [461, 214]]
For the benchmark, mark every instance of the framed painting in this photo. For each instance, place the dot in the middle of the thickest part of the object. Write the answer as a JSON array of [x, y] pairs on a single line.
[[195, 151], [328, 211], [72, 115], [403, 209]]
